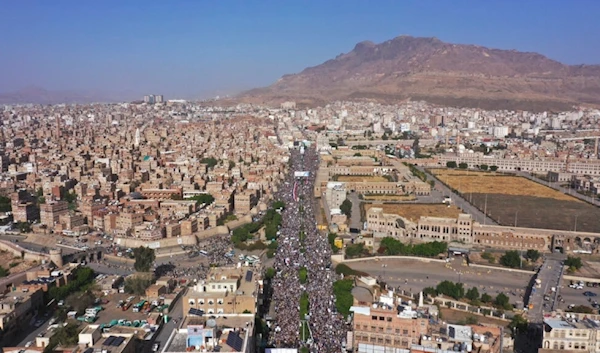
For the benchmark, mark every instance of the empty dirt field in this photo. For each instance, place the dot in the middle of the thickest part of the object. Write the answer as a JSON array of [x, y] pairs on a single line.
[[512, 200], [413, 212], [361, 178], [491, 183]]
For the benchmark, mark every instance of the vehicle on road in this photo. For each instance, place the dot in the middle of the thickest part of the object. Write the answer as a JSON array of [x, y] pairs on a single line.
[[589, 294], [155, 346], [38, 323]]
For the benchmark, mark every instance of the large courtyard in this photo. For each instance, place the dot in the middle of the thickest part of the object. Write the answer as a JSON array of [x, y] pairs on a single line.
[[413, 212], [512, 200]]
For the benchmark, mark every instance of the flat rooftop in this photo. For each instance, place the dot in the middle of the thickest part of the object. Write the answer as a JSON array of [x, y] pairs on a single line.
[[234, 334]]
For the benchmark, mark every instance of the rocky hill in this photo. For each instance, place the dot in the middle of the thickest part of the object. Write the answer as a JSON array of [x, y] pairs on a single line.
[[429, 69]]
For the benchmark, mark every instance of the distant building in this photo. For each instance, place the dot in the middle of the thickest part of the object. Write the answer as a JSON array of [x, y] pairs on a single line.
[[153, 98]]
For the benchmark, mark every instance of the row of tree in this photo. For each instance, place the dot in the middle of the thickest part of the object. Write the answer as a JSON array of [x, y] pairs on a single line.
[[83, 277], [457, 291], [391, 246], [484, 167]]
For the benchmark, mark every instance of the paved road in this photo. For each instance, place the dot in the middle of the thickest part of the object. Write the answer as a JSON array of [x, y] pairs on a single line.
[[355, 216], [167, 328], [575, 296], [460, 202], [414, 275], [31, 332], [549, 275]]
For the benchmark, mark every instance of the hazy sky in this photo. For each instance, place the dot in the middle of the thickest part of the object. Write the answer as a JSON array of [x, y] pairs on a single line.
[[190, 48]]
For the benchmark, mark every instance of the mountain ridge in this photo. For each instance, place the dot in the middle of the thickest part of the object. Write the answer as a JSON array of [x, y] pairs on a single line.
[[427, 68]]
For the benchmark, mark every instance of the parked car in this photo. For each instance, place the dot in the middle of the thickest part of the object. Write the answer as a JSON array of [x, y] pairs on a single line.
[[155, 347]]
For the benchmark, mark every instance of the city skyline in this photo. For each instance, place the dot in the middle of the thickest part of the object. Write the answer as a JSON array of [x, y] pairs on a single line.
[[189, 50]]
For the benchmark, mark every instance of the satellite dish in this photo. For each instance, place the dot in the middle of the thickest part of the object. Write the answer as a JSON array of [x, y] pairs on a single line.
[[211, 323]]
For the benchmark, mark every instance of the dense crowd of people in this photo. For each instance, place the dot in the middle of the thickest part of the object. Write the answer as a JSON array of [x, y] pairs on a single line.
[[311, 251]]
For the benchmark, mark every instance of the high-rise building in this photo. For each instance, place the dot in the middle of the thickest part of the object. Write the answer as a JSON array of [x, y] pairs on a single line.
[[153, 98]]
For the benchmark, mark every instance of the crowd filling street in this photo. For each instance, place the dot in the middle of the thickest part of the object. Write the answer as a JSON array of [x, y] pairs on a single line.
[[301, 245]]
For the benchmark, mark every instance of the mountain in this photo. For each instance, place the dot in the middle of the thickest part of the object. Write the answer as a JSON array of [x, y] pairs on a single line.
[[451, 74], [39, 95]]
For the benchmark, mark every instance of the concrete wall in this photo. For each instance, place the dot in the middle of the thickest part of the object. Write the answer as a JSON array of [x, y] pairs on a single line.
[[162, 243], [16, 251], [119, 259], [239, 222], [184, 240]]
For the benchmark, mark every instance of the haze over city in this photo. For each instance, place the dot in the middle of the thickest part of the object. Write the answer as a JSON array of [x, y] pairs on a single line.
[[194, 49]]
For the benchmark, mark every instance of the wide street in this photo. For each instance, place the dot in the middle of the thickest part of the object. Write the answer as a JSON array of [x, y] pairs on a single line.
[[413, 276]]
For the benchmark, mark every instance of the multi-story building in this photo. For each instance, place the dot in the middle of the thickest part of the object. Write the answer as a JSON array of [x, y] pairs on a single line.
[[23, 207], [579, 167], [572, 333], [244, 201], [387, 326], [335, 194], [51, 211], [128, 220], [464, 230], [226, 291]]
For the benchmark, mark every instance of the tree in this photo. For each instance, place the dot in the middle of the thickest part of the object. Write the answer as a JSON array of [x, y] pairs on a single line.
[[278, 204], [270, 273], [356, 250], [3, 272], [503, 301], [483, 167], [532, 255], [144, 257], [472, 294], [518, 324], [331, 238], [463, 165], [346, 208], [303, 275], [451, 289], [486, 298], [511, 259], [80, 301], [493, 168], [206, 199], [209, 161], [137, 285], [343, 297], [451, 164], [574, 263], [430, 291]]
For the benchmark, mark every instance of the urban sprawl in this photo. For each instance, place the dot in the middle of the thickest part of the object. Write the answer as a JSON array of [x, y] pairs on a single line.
[[175, 226]]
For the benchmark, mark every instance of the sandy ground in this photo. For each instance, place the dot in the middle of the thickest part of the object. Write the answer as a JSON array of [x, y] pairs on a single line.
[[415, 211], [6, 259], [489, 183]]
